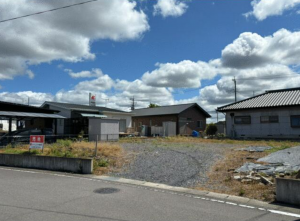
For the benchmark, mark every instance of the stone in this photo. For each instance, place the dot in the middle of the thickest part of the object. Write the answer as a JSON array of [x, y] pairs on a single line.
[[247, 181]]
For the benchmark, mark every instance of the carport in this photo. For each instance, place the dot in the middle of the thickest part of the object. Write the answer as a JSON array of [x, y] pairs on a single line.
[[23, 116], [29, 114]]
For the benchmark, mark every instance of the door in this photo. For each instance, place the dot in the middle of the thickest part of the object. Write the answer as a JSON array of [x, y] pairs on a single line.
[[122, 125]]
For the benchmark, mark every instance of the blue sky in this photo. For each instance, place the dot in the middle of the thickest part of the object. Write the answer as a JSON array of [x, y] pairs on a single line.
[[165, 52]]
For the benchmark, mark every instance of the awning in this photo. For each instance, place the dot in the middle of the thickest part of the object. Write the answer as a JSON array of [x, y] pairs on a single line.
[[94, 115], [25, 114]]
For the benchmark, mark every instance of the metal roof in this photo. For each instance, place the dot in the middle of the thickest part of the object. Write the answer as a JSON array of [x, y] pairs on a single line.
[[165, 110], [274, 98], [80, 107], [27, 114]]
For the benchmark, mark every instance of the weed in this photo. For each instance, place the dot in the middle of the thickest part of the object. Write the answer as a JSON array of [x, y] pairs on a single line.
[[242, 192]]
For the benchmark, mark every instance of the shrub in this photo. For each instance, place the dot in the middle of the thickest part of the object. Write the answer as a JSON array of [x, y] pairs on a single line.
[[211, 129]]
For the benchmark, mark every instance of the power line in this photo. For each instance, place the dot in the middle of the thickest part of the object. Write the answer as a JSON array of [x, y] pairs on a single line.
[[50, 10]]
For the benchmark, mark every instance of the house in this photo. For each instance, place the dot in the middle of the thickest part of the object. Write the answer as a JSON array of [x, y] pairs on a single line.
[[87, 118], [187, 117], [273, 114]]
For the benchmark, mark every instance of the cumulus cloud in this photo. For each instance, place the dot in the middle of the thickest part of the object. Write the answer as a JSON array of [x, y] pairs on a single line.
[[85, 74], [265, 8], [62, 35], [251, 50], [102, 83], [172, 8], [35, 98], [185, 74]]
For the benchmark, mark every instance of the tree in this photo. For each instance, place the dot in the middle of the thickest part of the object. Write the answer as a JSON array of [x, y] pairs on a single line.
[[211, 129], [152, 105]]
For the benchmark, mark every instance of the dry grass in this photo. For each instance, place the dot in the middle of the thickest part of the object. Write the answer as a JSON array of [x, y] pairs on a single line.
[[110, 156], [221, 177]]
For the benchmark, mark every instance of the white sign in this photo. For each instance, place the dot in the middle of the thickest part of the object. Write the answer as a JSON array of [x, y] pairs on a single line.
[[92, 99]]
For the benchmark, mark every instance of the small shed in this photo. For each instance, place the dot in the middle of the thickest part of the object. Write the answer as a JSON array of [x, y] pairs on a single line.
[[105, 129]]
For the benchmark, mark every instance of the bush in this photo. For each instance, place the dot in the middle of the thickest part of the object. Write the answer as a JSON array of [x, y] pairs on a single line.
[[211, 129]]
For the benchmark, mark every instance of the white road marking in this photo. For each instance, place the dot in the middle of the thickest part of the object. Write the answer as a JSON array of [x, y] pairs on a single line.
[[284, 213]]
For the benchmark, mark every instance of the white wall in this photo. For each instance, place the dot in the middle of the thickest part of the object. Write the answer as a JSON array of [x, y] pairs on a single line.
[[282, 129], [106, 129], [119, 116]]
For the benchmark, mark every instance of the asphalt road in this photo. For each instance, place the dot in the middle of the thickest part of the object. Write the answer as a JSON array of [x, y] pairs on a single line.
[[45, 196]]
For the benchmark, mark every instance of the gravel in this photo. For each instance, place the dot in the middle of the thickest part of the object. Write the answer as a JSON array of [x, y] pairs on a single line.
[[175, 164]]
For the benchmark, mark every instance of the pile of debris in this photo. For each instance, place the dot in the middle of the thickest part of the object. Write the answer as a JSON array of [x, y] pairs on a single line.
[[279, 164]]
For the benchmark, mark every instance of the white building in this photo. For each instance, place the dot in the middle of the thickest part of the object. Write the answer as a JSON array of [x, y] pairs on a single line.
[[274, 114]]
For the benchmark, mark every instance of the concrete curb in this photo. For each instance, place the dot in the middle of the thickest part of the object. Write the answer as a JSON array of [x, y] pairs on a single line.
[[206, 194]]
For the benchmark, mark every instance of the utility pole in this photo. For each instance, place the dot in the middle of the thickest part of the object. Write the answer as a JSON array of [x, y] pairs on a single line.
[[132, 105], [217, 116], [234, 80]]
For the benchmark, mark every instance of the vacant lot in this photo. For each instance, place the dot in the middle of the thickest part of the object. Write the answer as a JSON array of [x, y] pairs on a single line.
[[196, 163]]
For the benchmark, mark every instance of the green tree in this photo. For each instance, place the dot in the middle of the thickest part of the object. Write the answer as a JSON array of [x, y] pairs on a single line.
[[211, 129], [151, 105]]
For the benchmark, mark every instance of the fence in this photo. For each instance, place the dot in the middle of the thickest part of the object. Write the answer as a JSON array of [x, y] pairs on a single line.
[[25, 139]]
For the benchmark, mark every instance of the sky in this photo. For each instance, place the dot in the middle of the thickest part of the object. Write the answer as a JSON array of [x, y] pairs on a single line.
[[165, 52]]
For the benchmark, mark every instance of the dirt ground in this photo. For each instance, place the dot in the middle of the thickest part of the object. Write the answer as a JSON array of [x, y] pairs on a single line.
[[196, 163]]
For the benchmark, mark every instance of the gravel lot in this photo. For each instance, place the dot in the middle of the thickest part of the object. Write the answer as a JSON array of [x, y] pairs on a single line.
[[176, 164]]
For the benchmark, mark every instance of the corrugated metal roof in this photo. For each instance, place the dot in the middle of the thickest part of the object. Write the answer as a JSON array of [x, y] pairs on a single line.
[[165, 110], [80, 107], [27, 114], [275, 98]]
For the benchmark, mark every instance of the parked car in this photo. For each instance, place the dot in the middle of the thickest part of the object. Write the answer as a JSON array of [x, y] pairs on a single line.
[[23, 136]]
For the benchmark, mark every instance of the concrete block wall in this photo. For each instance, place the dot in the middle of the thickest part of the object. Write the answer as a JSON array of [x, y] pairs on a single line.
[[287, 191], [75, 165]]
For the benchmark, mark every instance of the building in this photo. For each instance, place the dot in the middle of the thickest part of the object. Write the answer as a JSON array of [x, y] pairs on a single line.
[[273, 114], [188, 117], [78, 117], [15, 116]]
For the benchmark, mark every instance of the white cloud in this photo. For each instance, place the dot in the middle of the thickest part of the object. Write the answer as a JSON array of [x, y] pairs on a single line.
[[85, 74], [35, 98], [167, 8], [251, 50], [185, 74], [102, 83], [265, 8], [62, 35]]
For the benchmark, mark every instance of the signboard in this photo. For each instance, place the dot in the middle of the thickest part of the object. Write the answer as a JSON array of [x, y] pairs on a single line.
[[92, 99], [37, 142]]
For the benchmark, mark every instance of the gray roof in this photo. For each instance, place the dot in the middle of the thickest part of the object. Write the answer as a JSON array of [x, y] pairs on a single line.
[[166, 110], [29, 114], [274, 98], [80, 107]]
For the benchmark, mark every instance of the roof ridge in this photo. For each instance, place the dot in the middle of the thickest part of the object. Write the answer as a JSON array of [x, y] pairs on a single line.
[[166, 106]]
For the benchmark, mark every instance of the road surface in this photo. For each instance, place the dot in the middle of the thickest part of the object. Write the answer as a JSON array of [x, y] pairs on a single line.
[[47, 196]]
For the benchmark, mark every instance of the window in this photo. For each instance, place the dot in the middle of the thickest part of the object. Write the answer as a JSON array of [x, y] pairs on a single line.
[[295, 121], [199, 123], [242, 120], [140, 124], [269, 119], [150, 123], [188, 118]]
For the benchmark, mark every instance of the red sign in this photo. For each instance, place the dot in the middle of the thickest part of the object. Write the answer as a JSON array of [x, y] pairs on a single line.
[[37, 138], [93, 97]]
